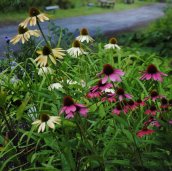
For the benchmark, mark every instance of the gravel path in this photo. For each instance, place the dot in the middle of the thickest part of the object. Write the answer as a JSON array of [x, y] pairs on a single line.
[[109, 22]]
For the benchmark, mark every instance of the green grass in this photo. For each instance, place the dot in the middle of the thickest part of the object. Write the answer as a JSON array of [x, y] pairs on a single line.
[[79, 11]]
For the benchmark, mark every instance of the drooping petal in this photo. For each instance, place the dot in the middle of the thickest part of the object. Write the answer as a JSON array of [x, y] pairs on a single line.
[[115, 77], [104, 80]]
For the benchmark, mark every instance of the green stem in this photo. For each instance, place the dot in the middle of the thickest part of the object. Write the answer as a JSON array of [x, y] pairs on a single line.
[[138, 151], [42, 33], [6, 121]]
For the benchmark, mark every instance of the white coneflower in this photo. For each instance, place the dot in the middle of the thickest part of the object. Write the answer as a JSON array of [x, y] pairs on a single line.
[[112, 44], [24, 35], [46, 120], [76, 49], [35, 15], [54, 86], [45, 70], [108, 90], [84, 36], [46, 53]]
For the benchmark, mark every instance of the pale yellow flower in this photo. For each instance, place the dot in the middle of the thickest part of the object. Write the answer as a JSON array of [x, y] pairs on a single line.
[[44, 120], [54, 86], [24, 35], [84, 36], [45, 70], [46, 53], [35, 16], [112, 44], [76, 49]]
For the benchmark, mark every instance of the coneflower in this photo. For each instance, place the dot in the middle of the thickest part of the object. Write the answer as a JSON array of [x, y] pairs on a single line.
[[152, 73], [110, 73]]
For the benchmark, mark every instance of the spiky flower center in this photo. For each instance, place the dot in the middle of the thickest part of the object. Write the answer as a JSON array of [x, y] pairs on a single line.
[[68, 101], [33, 12], [139, 101], [84, 32], [46, 50], [120, 91], [100, 84], [131, 103], [108, 69], [113, 41], [44, 118], [76, 44], [154, 94], [153, 108], [119, 107], [164, 101], [151, 69], [22, 30]]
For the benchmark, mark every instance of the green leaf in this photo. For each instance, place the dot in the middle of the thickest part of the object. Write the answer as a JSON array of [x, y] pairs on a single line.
[[22, 107], [101, 111], [118, 162]]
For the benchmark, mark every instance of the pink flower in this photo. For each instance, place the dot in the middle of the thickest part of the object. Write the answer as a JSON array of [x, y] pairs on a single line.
[[139, 102], [101, 86], [151, 111], [144, 131], [152, 73], [119, 109], [120, 93], [131, 105], [70, 108], [164, 103], [111, 73], [93, 94], [110, 97], [95, 91], [81, 109], [152, 122], [154, 95], [170, 122]]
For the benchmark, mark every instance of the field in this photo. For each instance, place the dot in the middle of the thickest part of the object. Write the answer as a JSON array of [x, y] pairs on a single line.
[[79, 10], [84, 104]]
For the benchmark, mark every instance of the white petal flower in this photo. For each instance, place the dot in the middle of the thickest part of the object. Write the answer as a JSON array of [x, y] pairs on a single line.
[[108, 90], [45, 70], [112, 44], [45, 119], [84, 36], [76, 50], [55, 86]]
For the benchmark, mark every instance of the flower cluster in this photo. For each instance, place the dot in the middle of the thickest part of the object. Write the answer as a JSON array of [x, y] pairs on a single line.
[[124, 103]]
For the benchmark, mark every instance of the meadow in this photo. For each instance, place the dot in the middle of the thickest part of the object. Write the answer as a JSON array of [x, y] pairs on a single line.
[[85, 104]]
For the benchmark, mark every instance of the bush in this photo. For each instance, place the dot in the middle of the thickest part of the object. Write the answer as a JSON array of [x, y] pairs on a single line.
[[21, 5]]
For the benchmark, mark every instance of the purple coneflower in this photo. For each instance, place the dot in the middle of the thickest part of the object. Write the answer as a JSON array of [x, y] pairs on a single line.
[[131, 105], [70, 107], [110, 97], [111, 73], [153, 122], [151, 111], [164, 103], [102, 86], [120, 109], [140, 102], [120, 93], [152, 73], [154, 95], [144, 131]]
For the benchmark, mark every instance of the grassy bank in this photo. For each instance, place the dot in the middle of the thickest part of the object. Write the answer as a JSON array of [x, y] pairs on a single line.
[[12, 17]]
